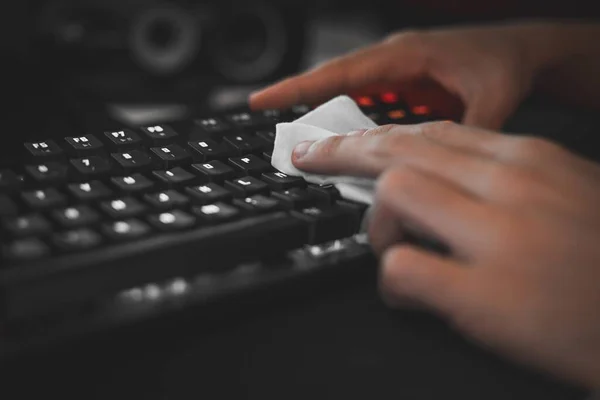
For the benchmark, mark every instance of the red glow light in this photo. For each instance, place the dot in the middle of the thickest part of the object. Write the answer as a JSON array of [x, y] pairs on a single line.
[[365, 101], [389, 98], [421, 110]]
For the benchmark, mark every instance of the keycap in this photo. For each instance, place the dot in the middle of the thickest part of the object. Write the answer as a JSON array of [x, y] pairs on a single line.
[[122, 139], [47, 173], [209, 193], [242, 143], [214, 171], [7, 206], [76, 239], [207, 150], [10, 181], [22, 250], [249, 165], [75, 216], [89, 191], [172, 220], [326, 193], [244, 119], [44, 198], [171, 155], [47, 149], [295, 198], [123, 207], [267, 155], [246, 186], [280, 181], [257, 204], [134, 160], [212, 125], [83, 146], [299, 110], [125, 229], [268, 136], [91, 167], [132, 183], [326, 224], [272, 116], [26, 225], [174, 177], [158, 134], [166, 199], [215, 213]]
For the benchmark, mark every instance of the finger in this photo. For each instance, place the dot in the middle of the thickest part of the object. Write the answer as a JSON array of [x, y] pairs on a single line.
[[384, 230], [489, 111], [367, 67], [437, 209], [437, 283]]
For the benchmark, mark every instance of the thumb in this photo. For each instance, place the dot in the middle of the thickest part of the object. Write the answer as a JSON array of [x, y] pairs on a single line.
[[430, 280]]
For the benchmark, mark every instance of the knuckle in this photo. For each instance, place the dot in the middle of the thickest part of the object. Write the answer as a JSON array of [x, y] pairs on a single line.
[[531, 147], [328, 146], [394, 179], [380, 130], [437, 129]]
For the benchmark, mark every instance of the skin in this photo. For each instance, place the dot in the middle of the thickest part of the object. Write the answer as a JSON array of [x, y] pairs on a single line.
[[520, 214]]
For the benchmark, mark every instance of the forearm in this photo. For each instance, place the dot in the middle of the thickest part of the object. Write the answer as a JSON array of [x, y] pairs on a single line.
[[565, 56]]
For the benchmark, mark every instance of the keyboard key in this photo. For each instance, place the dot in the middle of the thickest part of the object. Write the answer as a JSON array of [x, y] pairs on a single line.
[[215, 213], [326, 224], [175, 176], [166, 199], [172, 220], [26, 225], [257, 204], [171, 155], [83, 146], [246, 186], [26, 250], [125, 230], [267, 155], [122, 139], [268, 136], [7, 206], [209, 193], [9, 181], [206, 150], [300, 110], [272, 116], [44, 198], [214, 171], [281, 181], [47, 149], [244, 119], [76, 239], [132, 183], [48, 173], [242, 143], [71, 217], [295, 198], [158, 134], [327, 194], [89, 191], [249, 165], [91, 167], [134, 160], [212, 125], [123, 208]]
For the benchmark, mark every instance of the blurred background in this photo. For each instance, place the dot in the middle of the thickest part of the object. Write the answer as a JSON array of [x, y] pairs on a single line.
[[71, 64]]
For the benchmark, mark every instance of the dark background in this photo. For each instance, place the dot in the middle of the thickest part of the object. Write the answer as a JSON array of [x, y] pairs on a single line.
[[339, 342]]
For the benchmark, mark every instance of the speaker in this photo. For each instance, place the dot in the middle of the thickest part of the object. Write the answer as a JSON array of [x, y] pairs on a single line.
[[137, 50]]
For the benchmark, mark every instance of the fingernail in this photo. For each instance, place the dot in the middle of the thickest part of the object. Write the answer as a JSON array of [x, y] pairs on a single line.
[[302, 149]]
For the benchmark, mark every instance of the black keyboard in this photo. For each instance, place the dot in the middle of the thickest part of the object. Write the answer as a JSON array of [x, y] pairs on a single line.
[[96, 223]]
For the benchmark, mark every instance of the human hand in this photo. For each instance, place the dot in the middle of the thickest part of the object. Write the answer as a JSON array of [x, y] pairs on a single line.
[[489, 69], [521, 217]]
